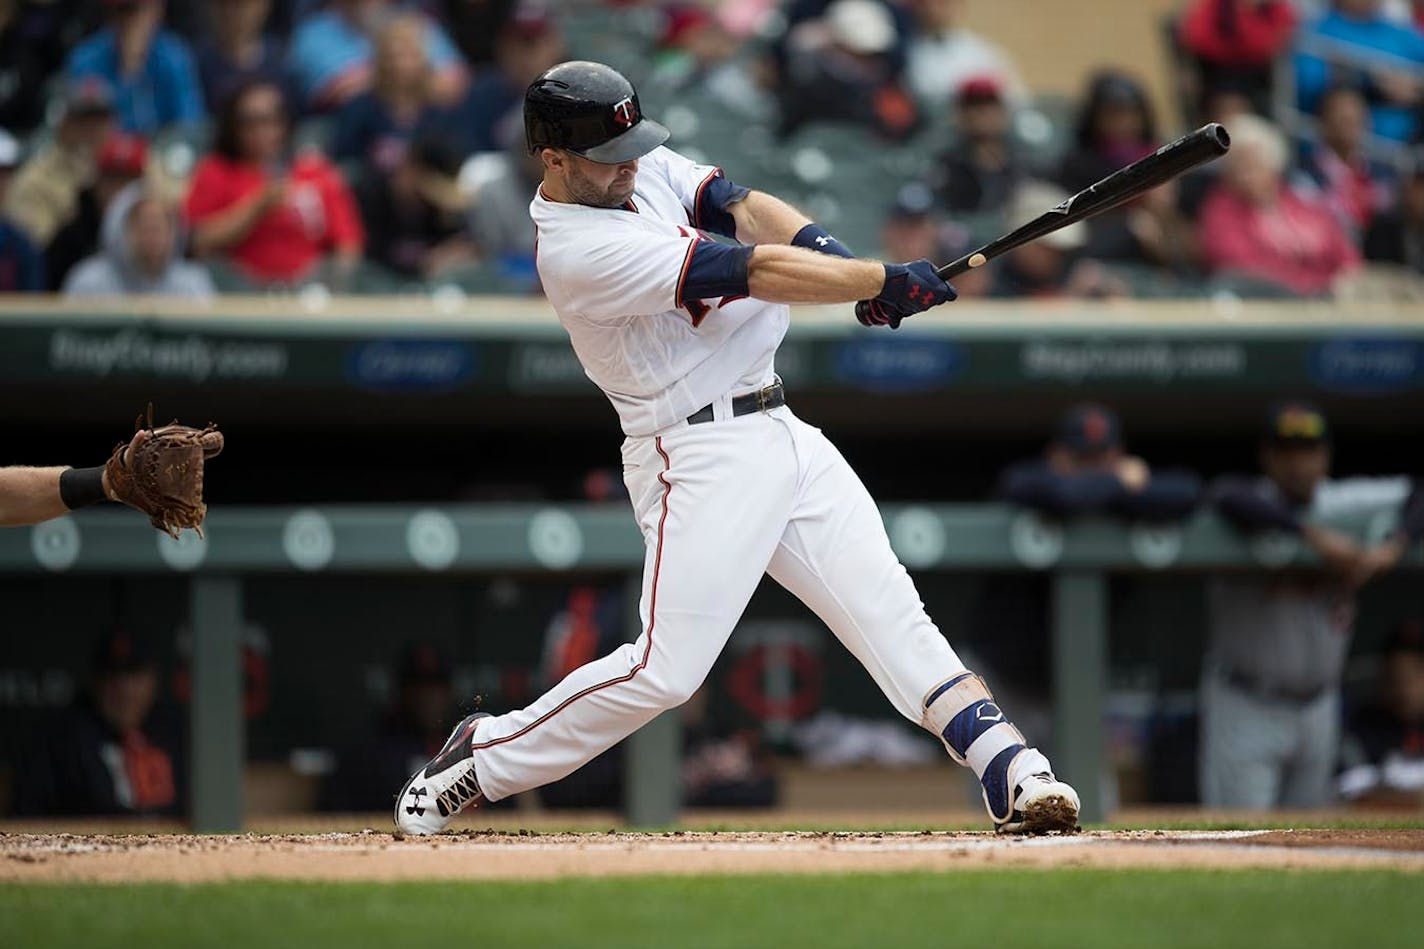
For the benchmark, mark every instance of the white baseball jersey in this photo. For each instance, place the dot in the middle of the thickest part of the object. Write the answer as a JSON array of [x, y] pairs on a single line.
[[615, 276]]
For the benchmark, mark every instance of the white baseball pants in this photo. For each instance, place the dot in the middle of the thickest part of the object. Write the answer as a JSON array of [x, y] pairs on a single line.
[[720, 504]]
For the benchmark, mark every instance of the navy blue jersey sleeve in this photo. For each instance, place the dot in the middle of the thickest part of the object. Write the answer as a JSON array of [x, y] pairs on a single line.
[[714, 270], [715, 197], [1034, 484], [1241, 501], [1168, 496]]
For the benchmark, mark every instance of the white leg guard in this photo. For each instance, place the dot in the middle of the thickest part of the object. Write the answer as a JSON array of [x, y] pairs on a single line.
[[962, 712]]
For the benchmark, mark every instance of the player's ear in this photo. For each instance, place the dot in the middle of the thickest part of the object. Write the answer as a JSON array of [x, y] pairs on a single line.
[[552, 158]]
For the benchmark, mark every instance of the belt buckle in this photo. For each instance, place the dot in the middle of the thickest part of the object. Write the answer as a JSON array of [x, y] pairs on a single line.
[[763, 396]]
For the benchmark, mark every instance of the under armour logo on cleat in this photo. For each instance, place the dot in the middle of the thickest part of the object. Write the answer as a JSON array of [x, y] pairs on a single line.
[[823, 241], [989, 712], [415, 807]]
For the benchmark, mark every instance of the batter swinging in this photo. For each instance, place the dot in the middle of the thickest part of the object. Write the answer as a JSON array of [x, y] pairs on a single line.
[[727, 483]]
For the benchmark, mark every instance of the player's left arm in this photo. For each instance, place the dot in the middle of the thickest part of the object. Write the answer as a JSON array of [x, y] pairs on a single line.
[[32, 495]]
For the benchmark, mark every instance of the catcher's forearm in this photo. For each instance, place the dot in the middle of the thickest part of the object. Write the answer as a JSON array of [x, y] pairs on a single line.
[[33, 495]]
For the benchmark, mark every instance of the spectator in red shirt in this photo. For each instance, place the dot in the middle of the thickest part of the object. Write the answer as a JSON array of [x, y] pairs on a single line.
[[1338, 172], [1235, 42], [277, 216], [1252, 225]]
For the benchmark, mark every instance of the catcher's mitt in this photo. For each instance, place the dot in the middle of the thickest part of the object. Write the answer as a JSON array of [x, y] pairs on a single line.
[[160, 472]]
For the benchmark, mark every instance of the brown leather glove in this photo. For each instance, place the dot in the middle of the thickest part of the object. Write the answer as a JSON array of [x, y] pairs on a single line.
[[160, 472]]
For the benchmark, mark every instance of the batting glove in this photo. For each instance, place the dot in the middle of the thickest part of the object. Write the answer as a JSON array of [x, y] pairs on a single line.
[[909, 289]]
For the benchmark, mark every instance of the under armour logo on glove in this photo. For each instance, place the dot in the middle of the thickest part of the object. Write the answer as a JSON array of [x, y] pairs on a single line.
[[909, 289], [415, 806]]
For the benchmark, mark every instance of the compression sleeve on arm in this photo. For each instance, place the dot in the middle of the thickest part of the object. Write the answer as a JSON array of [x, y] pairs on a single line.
[[714, 270]]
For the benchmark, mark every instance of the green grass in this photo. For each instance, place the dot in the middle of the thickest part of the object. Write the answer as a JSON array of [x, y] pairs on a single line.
[[997, 908]]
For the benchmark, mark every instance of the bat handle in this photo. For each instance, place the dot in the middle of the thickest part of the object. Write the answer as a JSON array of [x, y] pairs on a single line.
[[961, 266]]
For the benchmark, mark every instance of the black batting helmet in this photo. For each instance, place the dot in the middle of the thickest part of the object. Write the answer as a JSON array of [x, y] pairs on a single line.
[[591, 110]]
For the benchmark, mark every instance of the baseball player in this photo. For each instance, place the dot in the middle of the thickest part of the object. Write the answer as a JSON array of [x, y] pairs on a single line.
[[159, 472], [1270, 691], [680, 330]]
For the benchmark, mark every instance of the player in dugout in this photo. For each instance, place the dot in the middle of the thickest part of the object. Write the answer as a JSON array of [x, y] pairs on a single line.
[[1277, 642]]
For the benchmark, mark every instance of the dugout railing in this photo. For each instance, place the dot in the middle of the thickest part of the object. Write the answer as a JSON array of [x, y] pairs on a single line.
[[565, 539]]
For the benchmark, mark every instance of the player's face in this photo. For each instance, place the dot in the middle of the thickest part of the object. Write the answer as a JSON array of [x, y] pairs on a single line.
[[1296, 469], [599, 185]]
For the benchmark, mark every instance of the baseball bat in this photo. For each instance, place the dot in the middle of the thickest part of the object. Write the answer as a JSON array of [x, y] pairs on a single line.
[[1175, 158]]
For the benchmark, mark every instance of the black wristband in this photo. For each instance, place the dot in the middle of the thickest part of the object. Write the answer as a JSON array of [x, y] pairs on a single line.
[[815, 237], [81, 487]]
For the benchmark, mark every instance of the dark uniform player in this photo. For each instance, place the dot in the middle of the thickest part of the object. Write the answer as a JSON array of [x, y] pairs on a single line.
[[102, 756]]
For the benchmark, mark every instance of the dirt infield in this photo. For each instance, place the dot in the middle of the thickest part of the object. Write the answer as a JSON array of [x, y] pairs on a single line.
[[378, 856]]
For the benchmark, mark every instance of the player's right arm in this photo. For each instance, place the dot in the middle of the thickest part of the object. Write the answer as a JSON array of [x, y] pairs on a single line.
[[33, 495]]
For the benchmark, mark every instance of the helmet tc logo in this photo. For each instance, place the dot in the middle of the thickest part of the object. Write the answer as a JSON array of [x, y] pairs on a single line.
[[625, 112]]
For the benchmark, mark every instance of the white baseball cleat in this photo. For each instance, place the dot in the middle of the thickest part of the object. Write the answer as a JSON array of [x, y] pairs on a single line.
[[1042, 804], [444, 786]]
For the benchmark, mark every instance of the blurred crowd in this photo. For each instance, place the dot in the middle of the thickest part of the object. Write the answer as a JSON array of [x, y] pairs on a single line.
[[188, 148]]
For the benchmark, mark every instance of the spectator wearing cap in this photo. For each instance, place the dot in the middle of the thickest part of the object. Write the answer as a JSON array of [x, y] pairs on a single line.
[[1235, 43], [1383, 750], [1277, 642], [45, 191], [416, 215], [1086, 470], [944, 55], [276, 215], [21, 265], [123, 159], [1396, 236], [330, 54], [1053, 266], [149, 68], [1356, 44], [412, 728], [32, 40], [1115, 128], [102, 756], [528, 43], [238, 49], [1337, 171], [373, 129], [141, 255], [697, 54], [983, 168], [911, 225], [845, 67], [1253, 225]]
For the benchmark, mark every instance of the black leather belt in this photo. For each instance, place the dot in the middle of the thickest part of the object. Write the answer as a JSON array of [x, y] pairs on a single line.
[[758, 401], [1274, 693]]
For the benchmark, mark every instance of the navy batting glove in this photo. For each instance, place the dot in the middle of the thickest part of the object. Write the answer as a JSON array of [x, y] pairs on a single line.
[[909, 289]]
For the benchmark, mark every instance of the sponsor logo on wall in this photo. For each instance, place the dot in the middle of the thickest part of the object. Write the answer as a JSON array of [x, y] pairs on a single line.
[[899, 365], [1145, 361], [191, 358], [411, 365], [1367, 364]]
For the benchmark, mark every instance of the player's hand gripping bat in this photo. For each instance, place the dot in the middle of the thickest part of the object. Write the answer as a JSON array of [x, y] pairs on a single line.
[[1176, 158]]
